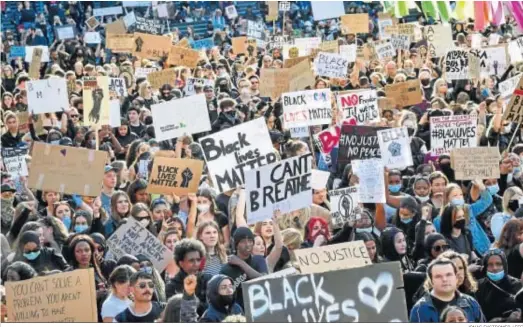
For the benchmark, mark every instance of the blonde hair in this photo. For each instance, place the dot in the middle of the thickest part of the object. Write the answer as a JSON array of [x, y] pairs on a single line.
[[292, 238], [509, 193], [219, 248]]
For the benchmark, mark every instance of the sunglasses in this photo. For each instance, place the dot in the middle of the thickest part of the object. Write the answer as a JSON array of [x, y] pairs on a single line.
[[440, 248], [32, 251], [143, 285]]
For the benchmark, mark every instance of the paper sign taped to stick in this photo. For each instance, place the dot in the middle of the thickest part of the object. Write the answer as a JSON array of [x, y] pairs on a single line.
[[332, 257], [307, 108], [115, 116], [159, 78], [64, 297], [232, 152], [395, 148], [120, 42], [231, 12], [284, 186], [151, 46], [344, 206], [14, 161], [372, 182], [354, 23], [405, 93], [331, 65], [132, 238], [179, 117], [183, 57], [47, 95], [452, 132], [96, 101], [514, 110], [172, 175], [63, 169], [362, 105], [475, 163], [349, 51]]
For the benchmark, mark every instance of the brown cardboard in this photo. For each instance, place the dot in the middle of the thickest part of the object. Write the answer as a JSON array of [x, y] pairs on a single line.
[[184, 43], [405, 94], [23, 121], [63, 297], [173, 176], [120, 42], [68, 170], [288, 63], [117, 27], [166, 76], [183, 57], [475, 163], [151, 46], [273, 11], [354, 23], [274, 82], [239, 44], [92, 22], [36, 60]]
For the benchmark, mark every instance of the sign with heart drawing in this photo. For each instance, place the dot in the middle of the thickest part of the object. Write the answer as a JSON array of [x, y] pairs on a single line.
[[372, 293]]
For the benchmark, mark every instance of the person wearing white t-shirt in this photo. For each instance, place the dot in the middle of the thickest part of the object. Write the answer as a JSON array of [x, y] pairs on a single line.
[[118, 300]]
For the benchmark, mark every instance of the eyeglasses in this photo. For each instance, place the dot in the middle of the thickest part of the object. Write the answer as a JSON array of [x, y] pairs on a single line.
[[441, 248], [143, 285]]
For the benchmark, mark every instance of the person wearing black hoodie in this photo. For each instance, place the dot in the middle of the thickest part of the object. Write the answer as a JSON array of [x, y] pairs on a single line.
[[220, 297], [227, 117], [406, 218], [496, 292], [394, 247], [435, 244], [40, 258]]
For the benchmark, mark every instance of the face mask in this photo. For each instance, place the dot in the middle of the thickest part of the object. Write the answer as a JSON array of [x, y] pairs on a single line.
[[425, 82], [147, 270], [513, 205], [406, 221], [32, 255], [496, 276], [458, 202], [55, 142], [460, 224], [203, 208], [507, 129], [227, 299], [144, 222], [423, 198], [80, 228], [395, 188], [67, 221], [485, 93], [493, 189], [8, 201], [154, 149], [364, 230]]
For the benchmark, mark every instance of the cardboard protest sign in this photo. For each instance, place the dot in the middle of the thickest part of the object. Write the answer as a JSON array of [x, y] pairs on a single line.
[[331, 65], [239, 44], [117, 27], [151, 46], [183, 57], [307, 108], [515, 49], [23, 122], [344, 205], [475, 163], [34, 67], [64, 297], [452, 132], [332, 257], [65, 32], [358, 142], [439, 38], [14, 161], [375, 294], [63, 169], [92, 22], [405, 94], [274, 82], [272, 11], [107, 11], [395, 148], [117, 88], [301, 47], [173, 175], [514, 110], [132, 238], [29, 53], [92, 38], [236, 150], [371, 188], [191, 81], [284, 186], [363, 105], [96, 100], [120, 42], [456, 64], [354, 23], [349, 52], [327, 9], [148, 26], [159, 78], [179, 117], [231, 12], [384, 50], [47, 95]]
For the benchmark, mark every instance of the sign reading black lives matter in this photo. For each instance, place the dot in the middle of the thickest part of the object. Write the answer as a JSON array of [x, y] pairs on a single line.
[[358, 142], [375, 294], [344, 205], [514, 111], [148, 26], [284, 186], [452, 132], [232, 152]]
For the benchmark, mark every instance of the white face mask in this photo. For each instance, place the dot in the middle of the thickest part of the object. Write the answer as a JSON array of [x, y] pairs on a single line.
[[144, 222], [423, 198], [203, 208]]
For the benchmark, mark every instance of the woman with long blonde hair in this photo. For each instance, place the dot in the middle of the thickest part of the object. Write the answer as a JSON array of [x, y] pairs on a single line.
[[212, 238]]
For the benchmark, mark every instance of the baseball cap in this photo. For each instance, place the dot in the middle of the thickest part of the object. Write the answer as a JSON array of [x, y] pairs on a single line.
[[109, 168]]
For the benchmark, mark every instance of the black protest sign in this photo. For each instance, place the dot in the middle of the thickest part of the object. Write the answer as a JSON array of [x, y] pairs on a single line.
[[148, 26], [358, 142], [373, 293]]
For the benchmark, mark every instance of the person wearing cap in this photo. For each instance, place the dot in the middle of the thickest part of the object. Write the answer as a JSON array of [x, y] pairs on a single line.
[[244, 265], [108, 186], [227, 117]]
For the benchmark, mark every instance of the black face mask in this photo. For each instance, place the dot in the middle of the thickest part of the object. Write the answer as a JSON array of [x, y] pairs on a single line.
[[513, 205], [425, 82], [227, 300], [460, 224]]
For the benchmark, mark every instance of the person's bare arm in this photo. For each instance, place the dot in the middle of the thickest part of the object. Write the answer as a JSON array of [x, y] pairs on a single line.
[[191, 220], [240, 210], [275, 254]]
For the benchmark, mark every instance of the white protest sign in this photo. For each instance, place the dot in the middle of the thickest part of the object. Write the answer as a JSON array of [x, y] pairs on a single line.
[[327, 9], [47, 95], [179, 117], [236, 150], [189, 86], [400, 41], [319, 179], [439, 38], [344, 204], [515, 49], [506, 88], [115, 113], [456, 64], [306, 108], [304, 46], [143, 71], [492, 61], [107, 11], [349, 51], [92, 38], [362, 105], [331, 65], [382, 24], [284, 186], [494, 39], [372, 182], [231, 12], [297, 132], [29, 53], [395, 147], [162, 10], [14, 161], [384, 50], [129, 19], [284, 5], [65, 32], [452, 132], [475, 40], [117, 85]]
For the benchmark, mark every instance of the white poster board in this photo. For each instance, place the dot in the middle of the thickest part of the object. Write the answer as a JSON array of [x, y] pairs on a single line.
[[320, 179], [231, 12], [362, 105], [29, 53], [47, 95], [327, 9], [92, 38], [331, 65], [129, 19], [349, 51], [452, 132], [395, 148], [372, 180], [344, 205], [115, 119], [306, 108], [515, 49], [107, 11], [189, 86]]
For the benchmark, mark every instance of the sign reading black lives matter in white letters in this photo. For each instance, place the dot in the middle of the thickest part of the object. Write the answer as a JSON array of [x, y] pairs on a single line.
[[232, 152], [374, 294], [284, 186], [344, 204]]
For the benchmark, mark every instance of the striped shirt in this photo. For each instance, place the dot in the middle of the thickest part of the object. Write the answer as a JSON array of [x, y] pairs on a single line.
[[213, 265]]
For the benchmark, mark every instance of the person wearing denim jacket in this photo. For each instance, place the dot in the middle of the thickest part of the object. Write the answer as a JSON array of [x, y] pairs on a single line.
[[480, 239]]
